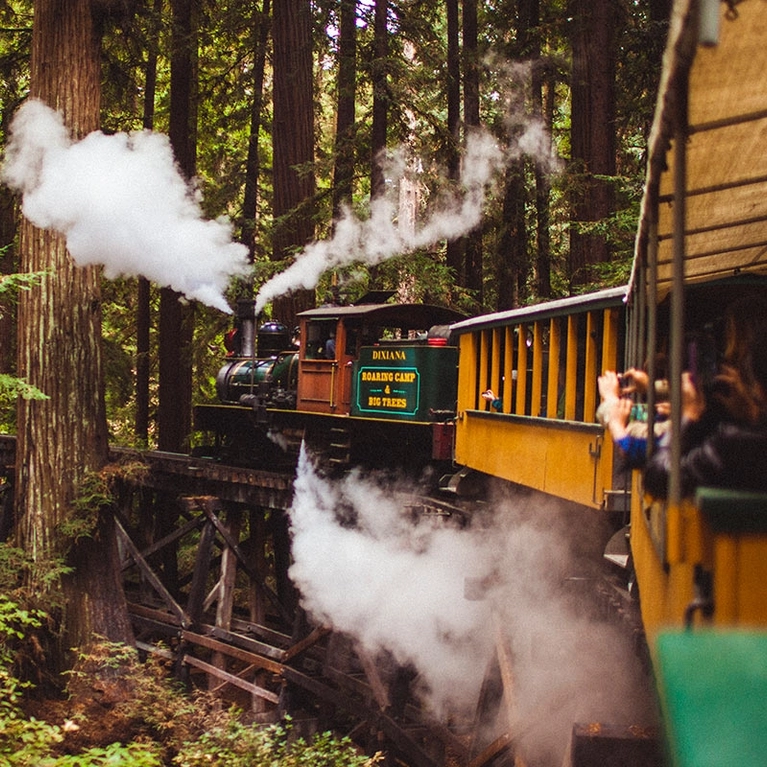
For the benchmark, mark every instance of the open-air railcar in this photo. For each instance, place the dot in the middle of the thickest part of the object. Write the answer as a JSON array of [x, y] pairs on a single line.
[[703, 564], [542, 362]]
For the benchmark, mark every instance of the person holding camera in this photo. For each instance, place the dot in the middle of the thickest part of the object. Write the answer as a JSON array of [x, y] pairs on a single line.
[[724, 420], [626, 420]]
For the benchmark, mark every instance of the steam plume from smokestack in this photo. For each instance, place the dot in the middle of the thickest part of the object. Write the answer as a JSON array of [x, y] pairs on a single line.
[[121, 202], [378, 238], [366, 568]]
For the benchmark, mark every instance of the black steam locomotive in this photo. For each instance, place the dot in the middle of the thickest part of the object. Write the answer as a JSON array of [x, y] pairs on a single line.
[[371, 384]]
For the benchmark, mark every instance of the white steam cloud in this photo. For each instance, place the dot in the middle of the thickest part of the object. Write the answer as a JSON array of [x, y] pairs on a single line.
[[364, 567], [389, 584], [121, 202], [379, 237]]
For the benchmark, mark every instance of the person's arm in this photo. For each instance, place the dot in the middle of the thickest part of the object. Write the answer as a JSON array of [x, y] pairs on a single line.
[[495, 403]]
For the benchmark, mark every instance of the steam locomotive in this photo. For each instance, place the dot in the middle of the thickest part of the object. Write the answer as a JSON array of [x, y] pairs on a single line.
[[371, 384]]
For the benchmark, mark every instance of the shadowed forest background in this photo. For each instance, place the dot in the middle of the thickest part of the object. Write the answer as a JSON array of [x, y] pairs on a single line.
[[286, 119]]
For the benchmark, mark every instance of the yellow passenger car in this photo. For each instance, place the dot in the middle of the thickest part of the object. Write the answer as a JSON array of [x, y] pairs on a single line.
[[542, 363]]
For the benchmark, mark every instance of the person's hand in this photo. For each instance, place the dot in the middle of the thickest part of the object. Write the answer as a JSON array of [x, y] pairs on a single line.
[[635, 381], [693, 401], [609, 386], [620, 413], [489, 395]]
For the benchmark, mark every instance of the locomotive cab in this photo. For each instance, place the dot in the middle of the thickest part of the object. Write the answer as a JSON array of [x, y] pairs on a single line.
[[341, 345]]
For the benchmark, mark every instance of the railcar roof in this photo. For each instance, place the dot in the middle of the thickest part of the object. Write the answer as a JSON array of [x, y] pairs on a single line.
[[726, 188], [587, 302], [416, 316]]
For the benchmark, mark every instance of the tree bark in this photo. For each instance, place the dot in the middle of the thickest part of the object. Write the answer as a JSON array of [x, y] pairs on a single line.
[[343, 175], [513, 261], [293, 143], [473, 247], [176, 315], [593, 129], [379, 76], [62, 439], [454, 249], [261, 24], [7, 311], [143, 309]]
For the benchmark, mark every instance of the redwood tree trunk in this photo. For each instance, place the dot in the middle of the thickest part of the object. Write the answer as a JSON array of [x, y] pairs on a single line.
[[473, 248], [177, 315], [62, 439], [343, 175], [454, 250], [293, 142], [380, 81], [593, 129], [261, 24]]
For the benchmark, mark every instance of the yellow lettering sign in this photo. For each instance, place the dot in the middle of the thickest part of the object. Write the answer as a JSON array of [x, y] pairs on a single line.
[[377, 376], [389, 354], [395, 402]]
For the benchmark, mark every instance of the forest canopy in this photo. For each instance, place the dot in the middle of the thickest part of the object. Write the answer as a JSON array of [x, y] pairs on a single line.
[[411, 111]]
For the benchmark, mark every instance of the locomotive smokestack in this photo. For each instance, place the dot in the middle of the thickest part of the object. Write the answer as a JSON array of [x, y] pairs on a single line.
[[246, 315]]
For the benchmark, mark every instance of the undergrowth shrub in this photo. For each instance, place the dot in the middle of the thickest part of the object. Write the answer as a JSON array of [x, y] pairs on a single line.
[[163, 725], [238, 745]]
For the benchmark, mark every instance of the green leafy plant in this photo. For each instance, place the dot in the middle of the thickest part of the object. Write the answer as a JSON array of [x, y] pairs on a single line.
[[240, 745], [114, 755], [96, 492]]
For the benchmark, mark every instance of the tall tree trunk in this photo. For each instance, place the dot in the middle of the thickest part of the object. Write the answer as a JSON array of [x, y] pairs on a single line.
[[592, 129], [177, 316], [380, 78], [543, 197], [343, 175], [261, 24], [454, 251], [530, 45], [512, 261], [293, 143], [62, 439], [473, 249], [7, 312], [143, 312]]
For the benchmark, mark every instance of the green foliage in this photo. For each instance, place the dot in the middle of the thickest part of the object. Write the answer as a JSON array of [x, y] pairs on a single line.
[[239, 745], [11, 284], [30, 581], [12, 387], [114, 755], [22, 741], [164, 724], [94, 493], [15, 622]]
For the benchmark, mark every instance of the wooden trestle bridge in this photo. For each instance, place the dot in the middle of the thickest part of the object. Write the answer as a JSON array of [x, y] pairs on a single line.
[[205, 555]]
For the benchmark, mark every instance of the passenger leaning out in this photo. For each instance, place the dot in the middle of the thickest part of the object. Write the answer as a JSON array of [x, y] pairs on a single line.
[[626, 420], [724, 421]]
